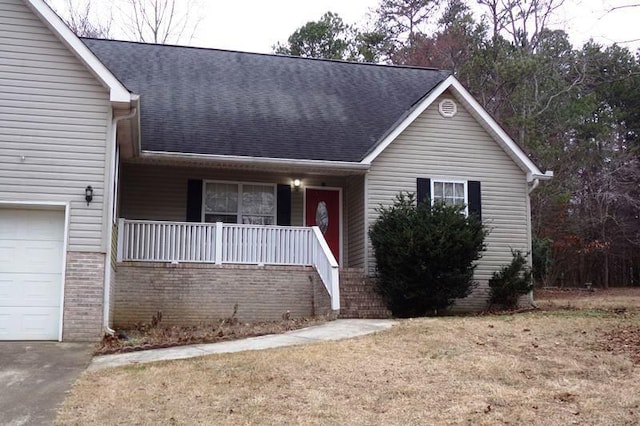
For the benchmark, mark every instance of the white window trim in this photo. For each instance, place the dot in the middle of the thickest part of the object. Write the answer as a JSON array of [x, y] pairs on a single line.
[[240, 185], [465, 182]]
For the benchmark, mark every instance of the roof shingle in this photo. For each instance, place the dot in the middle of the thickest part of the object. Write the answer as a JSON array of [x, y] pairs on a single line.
[[208, 101]]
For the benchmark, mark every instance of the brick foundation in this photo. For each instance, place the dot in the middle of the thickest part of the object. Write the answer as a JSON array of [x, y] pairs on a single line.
[[191, 293], [83, 297]]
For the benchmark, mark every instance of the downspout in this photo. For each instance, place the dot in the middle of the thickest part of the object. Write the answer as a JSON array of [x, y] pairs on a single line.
[[533, 187], [107, 269], [536, 182]]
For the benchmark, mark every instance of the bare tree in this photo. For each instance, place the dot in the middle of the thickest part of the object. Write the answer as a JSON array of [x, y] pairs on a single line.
[[162, 21], [522, 20], [153, 21], [81, 18]]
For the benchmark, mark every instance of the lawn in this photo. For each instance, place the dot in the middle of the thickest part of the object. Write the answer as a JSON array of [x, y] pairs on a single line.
[[572, 362]]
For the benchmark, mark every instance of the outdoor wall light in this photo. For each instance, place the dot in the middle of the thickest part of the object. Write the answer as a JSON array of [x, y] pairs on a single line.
[[88, 194], [296, 184]]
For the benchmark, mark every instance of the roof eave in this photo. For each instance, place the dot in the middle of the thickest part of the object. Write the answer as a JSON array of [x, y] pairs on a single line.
[[284, 164], [118, 94], [483, 117]]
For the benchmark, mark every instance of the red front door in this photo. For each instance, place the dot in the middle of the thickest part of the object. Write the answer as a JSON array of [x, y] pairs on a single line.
[[322, 209]]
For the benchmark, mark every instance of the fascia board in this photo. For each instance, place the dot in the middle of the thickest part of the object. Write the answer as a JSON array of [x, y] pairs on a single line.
[[266, 161]]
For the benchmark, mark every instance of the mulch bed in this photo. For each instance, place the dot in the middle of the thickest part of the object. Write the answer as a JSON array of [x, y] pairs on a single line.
[[155, 336]]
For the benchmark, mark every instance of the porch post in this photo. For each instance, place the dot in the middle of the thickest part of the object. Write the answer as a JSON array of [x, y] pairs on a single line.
[[218, 246], [335, 288], [120, 246]]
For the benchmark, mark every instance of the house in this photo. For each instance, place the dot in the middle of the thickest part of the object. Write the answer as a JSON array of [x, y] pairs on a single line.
[[138, 178]]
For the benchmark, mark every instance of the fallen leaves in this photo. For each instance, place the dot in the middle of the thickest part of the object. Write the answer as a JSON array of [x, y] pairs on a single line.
[[622, 340]]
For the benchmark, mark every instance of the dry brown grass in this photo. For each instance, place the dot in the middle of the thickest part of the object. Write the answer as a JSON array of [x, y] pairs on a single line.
[[625, 297], [543, 367]]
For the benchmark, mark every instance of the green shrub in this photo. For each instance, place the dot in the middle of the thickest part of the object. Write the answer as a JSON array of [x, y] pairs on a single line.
[[511, 281], [542, 259], [424, 255]]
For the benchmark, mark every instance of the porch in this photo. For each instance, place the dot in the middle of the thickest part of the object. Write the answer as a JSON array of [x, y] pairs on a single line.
[[194, 242], [223, 243], [190, 272]]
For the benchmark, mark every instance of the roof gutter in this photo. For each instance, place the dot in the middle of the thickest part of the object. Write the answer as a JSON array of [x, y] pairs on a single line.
[[536, 178], [257, 161]]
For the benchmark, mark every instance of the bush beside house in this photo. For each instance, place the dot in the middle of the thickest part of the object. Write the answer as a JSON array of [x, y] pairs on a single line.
[[425, 255]]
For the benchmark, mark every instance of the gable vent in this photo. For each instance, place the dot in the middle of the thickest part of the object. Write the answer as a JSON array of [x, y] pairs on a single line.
[[448, 108]]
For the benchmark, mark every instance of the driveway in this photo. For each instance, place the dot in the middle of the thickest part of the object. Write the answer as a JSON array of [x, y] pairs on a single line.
[[35, 377]]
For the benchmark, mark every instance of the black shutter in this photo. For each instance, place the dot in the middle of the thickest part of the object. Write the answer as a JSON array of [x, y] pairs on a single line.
[[473, 195], [194, 200], [424, 190], [284, 205]]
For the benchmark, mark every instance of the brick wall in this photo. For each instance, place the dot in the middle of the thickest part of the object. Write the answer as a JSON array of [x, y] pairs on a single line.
[[83, 296], [190, 293], [358, 298]]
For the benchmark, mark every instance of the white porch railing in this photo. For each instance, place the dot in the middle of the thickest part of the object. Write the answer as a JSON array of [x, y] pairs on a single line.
[[156, 241]]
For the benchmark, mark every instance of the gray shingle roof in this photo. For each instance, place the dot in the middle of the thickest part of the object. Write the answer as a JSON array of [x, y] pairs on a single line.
[[220, 102]]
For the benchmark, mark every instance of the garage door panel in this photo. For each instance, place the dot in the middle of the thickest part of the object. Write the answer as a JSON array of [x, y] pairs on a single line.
[[40, 256], [31, 253], [8, 226], [29, 324], [7, 255], [31, 256], [29, 290], [31, 225]]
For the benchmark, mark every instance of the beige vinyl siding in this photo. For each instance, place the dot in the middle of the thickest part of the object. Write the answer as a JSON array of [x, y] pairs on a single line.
[[155, 192], [355, 221], [54, 118], [457, 148]]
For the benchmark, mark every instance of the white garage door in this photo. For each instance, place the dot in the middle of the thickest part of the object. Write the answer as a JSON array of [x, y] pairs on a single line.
[[31, 249]]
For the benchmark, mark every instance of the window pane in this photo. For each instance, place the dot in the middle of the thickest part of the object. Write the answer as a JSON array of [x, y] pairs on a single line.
[[448, 190], [459, 190], [221, 198], [437, 189], [258, 200]]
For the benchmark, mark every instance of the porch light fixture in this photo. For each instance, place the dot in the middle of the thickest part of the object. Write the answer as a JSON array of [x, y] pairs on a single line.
[[296, 184], [88, 194]]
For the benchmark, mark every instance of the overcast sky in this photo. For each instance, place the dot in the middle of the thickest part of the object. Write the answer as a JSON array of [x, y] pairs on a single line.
[[256, 25]]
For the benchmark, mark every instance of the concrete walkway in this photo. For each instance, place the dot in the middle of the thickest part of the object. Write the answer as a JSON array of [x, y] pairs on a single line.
[[332, 330]]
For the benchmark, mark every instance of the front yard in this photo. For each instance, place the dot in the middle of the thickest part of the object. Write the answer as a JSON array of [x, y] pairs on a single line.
[[572, 362]]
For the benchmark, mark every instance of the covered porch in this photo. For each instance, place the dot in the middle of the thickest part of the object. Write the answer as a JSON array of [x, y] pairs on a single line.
[[250, 224]]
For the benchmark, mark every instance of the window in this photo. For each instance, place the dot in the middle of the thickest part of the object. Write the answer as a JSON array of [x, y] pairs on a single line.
[[246, 203], [453, 193]]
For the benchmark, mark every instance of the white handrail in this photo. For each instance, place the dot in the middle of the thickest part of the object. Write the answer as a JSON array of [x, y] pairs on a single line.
[[161, 241], [327, 267]]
